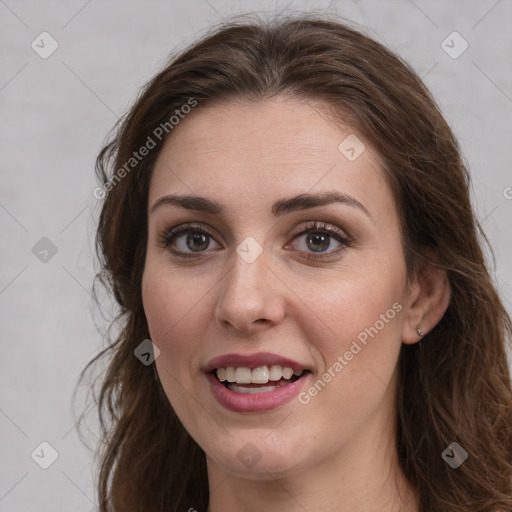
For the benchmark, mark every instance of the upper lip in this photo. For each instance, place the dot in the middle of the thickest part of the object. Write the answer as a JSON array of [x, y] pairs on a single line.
[[253, 361]]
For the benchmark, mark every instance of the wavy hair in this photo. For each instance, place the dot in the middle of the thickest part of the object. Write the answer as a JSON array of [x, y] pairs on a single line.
[[455, 386]]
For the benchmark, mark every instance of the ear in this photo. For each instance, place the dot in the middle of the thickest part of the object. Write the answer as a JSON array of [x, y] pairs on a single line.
[[428, 300]]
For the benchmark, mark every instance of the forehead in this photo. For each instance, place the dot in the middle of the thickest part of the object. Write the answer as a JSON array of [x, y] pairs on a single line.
[[246, 152]]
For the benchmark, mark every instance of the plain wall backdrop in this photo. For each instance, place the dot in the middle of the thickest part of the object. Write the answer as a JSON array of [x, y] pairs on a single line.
[[55, 113]]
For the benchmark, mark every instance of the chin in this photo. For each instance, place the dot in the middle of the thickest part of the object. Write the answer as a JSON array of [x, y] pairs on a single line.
[[257, 457]]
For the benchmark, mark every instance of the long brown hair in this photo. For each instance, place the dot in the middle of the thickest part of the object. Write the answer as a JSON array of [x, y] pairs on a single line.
[[456, 386]]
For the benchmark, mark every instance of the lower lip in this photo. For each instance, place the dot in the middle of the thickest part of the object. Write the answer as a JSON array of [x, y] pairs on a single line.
[[255, 402]]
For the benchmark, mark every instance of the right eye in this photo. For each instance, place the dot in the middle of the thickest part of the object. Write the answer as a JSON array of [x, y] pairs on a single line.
[[187, 240]]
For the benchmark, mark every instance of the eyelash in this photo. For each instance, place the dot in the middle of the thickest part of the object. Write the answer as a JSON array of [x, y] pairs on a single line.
[[170, 235]]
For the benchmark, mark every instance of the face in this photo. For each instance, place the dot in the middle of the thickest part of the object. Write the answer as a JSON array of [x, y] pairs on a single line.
[[250, 279]]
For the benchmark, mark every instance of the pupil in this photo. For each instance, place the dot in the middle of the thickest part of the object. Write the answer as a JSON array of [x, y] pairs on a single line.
[[197, 238], [318, 239]]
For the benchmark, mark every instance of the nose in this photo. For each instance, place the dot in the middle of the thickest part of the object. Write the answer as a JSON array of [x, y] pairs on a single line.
[[249, 297]]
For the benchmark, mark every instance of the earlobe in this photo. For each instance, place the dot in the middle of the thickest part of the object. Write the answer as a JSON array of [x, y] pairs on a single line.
[[429, 300]]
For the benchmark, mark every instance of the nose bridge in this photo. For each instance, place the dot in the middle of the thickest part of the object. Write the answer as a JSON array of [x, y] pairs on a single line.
[[248, 294], [249, 269]]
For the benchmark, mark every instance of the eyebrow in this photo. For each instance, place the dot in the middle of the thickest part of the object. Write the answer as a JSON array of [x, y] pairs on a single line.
[[279, 208]]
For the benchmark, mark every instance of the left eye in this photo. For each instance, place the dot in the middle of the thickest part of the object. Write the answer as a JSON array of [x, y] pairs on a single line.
[[320, 240], [316, 241]]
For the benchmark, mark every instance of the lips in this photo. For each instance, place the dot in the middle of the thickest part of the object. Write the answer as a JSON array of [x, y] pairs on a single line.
[[233, 383]]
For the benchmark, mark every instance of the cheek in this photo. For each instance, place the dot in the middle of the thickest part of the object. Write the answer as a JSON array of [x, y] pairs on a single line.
[[349, 307], [178, 312], [167, 301], [176, 316], [356, 334], [173, 314]]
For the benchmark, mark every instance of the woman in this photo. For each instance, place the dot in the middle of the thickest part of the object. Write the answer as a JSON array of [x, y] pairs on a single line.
[[308, 321]]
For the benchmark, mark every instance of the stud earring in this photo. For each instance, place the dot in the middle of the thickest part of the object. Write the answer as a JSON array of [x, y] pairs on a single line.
[[420, 332]]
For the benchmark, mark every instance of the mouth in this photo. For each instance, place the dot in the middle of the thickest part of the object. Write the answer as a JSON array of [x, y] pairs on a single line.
[[252, 383], [261, 379]]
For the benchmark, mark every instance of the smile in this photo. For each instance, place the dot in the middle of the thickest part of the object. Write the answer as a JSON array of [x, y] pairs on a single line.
[[255, 382], [258, 380]]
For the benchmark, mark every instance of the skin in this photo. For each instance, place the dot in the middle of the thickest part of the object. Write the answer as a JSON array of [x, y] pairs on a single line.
[[336, 452]]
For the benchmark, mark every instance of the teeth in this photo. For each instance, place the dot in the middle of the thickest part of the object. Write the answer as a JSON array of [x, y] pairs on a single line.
[[287, 373], [276, 372], [243, 375], [221, 374], [230, 374], [260, 375]]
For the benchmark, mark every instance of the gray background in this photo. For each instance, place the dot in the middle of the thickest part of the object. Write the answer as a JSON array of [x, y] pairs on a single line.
[[55, 114]]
